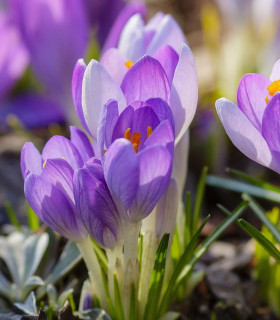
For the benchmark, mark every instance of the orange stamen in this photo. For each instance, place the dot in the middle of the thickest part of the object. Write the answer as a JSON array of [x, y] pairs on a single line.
[[128, 64], [149, 131], [127, 134], [135, 140], [273, 88]]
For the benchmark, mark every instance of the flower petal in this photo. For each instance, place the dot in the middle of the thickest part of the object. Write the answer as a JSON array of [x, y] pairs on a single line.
[[251, 95], [161, 109], [132, 40], [162, 135], [271, 126], [62, 148], [82, 143], [107, 120], [155, 166], [53, 207], [30, 160], [168, 58], [243, 134], [128, 11], [59, 173], [169, 33], [114, 62], [275, 74], [121, 171], [184, 92], [96, 205], [98, 89], [145, 80], [77, 82]]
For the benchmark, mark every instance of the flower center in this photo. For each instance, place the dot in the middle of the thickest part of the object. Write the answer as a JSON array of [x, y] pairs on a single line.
[[135, 139], [128, 64], [273, 88]]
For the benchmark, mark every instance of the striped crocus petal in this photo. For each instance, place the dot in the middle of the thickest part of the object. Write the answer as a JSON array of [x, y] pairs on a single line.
[[95, 204]]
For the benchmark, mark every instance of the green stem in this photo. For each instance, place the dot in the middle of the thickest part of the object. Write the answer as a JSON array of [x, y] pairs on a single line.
[[94, 269]]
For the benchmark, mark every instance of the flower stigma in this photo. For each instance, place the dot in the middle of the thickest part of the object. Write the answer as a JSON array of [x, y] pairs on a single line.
[[273, 88], [128, 64], [135, 139]]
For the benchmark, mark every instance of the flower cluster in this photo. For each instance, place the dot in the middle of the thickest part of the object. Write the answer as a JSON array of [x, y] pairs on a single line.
[[137, 104]]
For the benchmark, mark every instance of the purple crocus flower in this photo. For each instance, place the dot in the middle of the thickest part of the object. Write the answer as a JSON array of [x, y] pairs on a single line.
[[65, 186], [135, 129], [56, 34], [13, 55], [253, 124]]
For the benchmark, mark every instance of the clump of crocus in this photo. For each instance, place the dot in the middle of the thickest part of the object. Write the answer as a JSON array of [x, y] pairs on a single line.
[[126, 188], [252, 124]]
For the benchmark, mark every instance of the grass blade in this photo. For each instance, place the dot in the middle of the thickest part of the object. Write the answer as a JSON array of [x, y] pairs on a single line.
[[151, 310], [12, 216], [199, 200], [259, 211], [260, 238], [118, 300], [240, 187]]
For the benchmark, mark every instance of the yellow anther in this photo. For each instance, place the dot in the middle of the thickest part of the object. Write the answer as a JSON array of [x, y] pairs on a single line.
[[273, 88], [44, 164], [127, 134], [128, 64], [149, 131]]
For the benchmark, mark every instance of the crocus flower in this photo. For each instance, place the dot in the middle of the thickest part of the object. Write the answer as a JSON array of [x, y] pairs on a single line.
[[134, 126], [253, 124], [13, 54]]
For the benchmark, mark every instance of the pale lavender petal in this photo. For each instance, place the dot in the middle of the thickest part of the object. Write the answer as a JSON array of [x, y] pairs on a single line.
[[129, 10], [77, 83], [180, 162], [132, 39], [82, 143], [98, 89], [275, 74], [145, 80], [155, 166], [251, 95], [30, 160], [271, 126], [59, 173], [107, 120], [168, 58], [244, 135], [53, 207], [96, 206], [121, 170], [33, 111], [166, 210], [114, 62], [62, 148], [184, 92], [162, 135], [13, 55], [56, 34], [169, 33]]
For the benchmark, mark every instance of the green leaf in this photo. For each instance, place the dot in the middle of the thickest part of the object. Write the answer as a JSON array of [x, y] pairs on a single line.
[[213, 237], [94, 314], [32, 218], [255, 181], [199, 200], [29, 305], [171, 315], [69, 258], [262, 240], [151, 310], [12, 216], [168, 295], [259, 211], [64, 296], [240, 187], [118, 300], [133, 301], [188, 219]]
